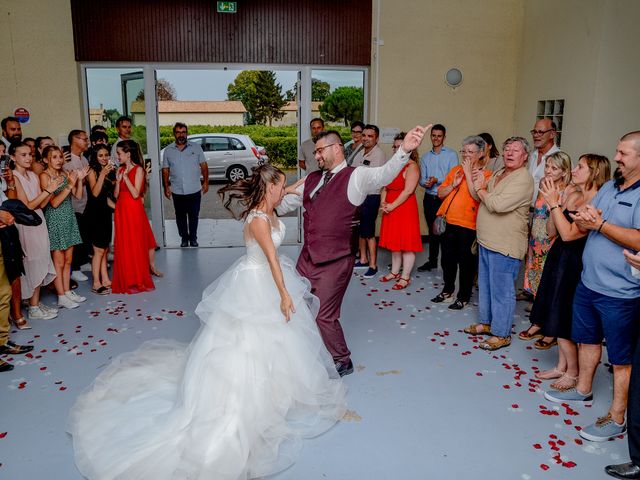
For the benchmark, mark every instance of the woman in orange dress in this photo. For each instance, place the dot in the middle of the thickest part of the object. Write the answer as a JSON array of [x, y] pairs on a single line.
[[134, 243], [400, 227]]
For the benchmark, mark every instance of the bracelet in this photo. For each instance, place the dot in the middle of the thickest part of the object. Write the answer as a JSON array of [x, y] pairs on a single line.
[[48, 192], [601, 225], [554, 207]]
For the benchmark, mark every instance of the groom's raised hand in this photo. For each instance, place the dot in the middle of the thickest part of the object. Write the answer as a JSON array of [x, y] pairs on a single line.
[[414, 137]]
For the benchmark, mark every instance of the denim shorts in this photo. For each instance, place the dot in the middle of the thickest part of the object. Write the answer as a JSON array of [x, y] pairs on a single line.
[[597, 317]]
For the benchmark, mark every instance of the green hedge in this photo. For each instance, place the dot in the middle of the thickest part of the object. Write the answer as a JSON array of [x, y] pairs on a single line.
[[279, 142]]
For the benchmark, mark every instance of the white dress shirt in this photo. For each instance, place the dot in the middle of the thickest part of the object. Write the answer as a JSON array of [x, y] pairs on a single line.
[[364, 181], [537, 169]]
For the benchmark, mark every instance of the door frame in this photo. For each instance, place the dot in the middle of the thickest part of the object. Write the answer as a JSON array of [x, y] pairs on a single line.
[[152, 122]]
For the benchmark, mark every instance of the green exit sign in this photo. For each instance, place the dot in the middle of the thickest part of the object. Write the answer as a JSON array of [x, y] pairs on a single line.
[[227, 7]]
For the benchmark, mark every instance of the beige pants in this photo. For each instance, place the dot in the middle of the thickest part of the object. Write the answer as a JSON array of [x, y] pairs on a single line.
[[5, 298]]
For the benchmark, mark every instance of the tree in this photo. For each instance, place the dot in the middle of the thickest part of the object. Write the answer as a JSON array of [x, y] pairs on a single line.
[[164, 91], [112, 114], [260, 94], [319, 90], [344, 103]]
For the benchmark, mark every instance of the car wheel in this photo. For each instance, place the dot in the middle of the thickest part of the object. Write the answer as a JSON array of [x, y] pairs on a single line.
[[236, 172]]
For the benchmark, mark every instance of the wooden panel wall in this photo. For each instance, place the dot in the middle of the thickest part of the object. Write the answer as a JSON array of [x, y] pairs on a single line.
[[315, 32]]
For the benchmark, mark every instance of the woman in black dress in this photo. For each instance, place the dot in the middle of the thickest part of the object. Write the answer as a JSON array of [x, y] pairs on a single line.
[[553, 305], [99, 211]]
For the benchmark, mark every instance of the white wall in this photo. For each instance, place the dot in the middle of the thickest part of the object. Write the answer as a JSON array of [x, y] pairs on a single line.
[[37, 66], [586, 52]]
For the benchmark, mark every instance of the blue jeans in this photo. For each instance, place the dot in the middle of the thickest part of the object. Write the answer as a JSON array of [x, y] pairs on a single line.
[[497, 292]]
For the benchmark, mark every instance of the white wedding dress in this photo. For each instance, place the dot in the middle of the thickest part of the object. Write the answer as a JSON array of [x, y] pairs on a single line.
[[233, 404]]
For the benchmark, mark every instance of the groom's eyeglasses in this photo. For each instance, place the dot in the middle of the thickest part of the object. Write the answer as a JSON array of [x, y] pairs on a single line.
[[320, 149]]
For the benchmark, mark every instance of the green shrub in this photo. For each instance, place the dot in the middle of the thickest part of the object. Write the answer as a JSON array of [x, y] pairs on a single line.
[[279, 142]]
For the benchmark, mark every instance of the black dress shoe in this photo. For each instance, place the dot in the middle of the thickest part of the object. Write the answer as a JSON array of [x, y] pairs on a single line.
[[11, 348], [344, 368], [193, 243], [624, 470], [427, 267], [184, 243], [5, 367]]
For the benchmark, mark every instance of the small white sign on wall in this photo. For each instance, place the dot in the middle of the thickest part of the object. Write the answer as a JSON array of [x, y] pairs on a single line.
[[387, 134]]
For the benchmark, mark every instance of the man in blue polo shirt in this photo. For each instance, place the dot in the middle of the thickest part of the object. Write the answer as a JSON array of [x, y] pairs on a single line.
[[607, 299], [434, 166], [185, 176]]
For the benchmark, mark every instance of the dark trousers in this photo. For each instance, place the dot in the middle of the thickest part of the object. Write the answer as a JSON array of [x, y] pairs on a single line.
[[329, 282], [82, 251], [187, 209], [456, 253], [430, 205], [633, 408]]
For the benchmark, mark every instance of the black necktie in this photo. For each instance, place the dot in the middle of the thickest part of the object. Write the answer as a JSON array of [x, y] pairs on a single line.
[[327, 177]]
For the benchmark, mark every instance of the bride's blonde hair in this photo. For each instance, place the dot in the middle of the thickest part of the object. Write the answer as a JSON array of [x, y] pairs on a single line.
[[247, 193]]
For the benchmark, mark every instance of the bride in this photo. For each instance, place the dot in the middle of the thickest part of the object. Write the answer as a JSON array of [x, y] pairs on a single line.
[[235, 403]]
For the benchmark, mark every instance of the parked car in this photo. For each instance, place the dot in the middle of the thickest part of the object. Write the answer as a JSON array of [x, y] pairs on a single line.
[[229, 156], [263, 153]]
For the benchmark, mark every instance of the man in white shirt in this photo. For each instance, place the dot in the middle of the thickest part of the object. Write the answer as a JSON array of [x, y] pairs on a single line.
[[123, 126], [11, 131], [331, 198], [308, 162], [78, 144], [544, 136], [370, 156]]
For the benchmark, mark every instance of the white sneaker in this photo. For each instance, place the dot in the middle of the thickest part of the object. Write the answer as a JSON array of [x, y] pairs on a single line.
[[47, 308], [85, 268], [36, 313], [66, 302], [74, 297], [78, 276]]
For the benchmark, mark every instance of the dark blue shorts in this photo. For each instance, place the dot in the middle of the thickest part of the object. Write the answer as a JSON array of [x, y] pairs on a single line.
[[597, 317], [368, 216]]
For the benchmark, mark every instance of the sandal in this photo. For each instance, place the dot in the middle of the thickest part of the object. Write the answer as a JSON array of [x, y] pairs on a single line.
[[401, 284], [156, 273], [527, 335], [495, 343], [569, 383], [101, 290], [550, 374], [22, 324], [542, 345], [473, 329], [389, 277]]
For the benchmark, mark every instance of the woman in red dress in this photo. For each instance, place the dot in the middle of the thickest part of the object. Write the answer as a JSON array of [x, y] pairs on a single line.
[[134, 243], [400, 227]]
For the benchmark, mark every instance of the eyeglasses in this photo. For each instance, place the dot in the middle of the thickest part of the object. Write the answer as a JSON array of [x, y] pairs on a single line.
[[320, 149], [539, 132], [468, 152], [356, 131]]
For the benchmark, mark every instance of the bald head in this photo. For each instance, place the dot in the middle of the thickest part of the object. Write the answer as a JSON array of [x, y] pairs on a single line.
[[634, 138]]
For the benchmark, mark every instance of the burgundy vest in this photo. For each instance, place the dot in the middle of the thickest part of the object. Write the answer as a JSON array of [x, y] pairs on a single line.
[[330, 219]]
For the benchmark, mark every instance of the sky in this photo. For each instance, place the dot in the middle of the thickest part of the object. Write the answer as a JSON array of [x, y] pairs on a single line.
[[104, 85]]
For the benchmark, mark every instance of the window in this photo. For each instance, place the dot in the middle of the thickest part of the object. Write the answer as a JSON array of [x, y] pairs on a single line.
[[553, 109], [237, 144], [215, 144]]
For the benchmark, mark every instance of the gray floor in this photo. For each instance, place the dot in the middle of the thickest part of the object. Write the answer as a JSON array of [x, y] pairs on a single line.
[[424, 403]]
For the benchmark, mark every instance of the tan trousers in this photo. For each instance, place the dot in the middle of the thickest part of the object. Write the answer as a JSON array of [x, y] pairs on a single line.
[[5, 299]]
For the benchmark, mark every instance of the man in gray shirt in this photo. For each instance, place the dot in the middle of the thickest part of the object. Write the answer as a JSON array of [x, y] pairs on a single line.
[[185, 176]]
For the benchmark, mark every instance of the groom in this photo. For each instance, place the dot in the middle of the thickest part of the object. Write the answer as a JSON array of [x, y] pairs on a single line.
[[331, 197]]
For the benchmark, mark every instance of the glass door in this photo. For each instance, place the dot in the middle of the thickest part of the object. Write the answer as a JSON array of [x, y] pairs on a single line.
[[240, 119]]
